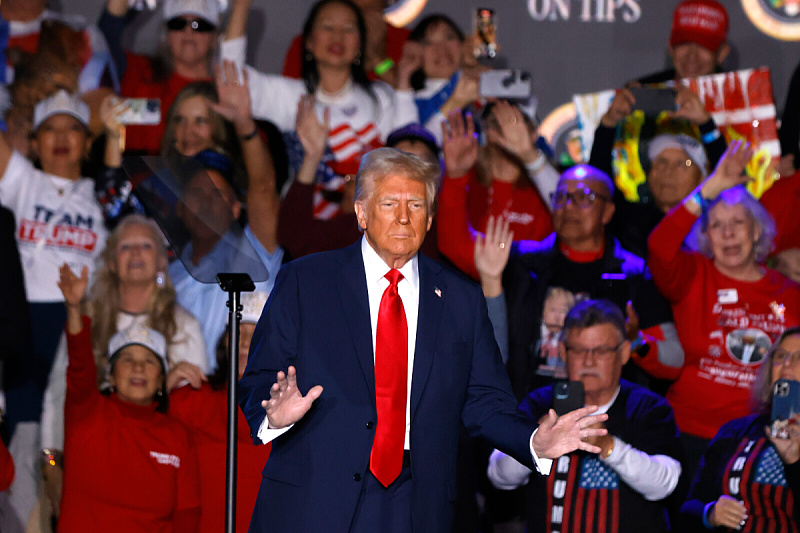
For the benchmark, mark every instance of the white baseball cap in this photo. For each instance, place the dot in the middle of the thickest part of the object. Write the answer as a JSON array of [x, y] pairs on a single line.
[[142, 336], [693, 148], [60, 103], [205, 9]]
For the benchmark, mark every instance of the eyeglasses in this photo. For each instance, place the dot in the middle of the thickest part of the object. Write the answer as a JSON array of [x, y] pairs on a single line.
[[582, 198], [601, 353], [780, 357], [197, 25]]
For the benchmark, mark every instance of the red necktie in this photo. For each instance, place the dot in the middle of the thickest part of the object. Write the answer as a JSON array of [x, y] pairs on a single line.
[[391, 376]]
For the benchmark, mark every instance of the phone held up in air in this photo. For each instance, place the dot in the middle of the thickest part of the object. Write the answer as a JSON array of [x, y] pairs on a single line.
[[652, 101], [484, 23], [505, 83], [145, 111], [567, 396], [785, 405]]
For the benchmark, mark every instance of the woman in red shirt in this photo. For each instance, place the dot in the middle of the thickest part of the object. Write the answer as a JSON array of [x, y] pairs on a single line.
[[129, 467]]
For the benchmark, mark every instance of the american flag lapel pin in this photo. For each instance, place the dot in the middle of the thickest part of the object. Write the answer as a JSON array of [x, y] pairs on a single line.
[[438, 291]]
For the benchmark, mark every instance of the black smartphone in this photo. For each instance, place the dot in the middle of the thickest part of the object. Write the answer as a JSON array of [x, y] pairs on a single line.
[[615, 288], [653, 101], [785, 404], [567, 396]]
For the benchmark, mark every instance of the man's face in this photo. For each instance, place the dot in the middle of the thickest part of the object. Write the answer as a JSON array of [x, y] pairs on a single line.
[[692, 60], [395, 218], [672, 177], [208, 193], [595, 356], [575, 223]]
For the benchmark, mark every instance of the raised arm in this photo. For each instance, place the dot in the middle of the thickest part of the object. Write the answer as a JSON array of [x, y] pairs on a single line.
[[262, 199], [237, 20], [491, 258], [81, 373]]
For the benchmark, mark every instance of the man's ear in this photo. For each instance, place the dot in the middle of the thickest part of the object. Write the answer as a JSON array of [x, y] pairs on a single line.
[[608, 211], [236, 209], [361, 215], [625, 352], [723, 53]]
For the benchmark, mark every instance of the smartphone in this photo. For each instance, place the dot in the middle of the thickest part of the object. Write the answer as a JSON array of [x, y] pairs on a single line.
[[567, 396], [485, 26], [785, 404], [653, 101], [615, 288], [145, 111], [505, 83]]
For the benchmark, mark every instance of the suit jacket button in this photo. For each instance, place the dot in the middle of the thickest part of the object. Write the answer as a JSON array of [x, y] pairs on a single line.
[[370, 424], [356, 477]]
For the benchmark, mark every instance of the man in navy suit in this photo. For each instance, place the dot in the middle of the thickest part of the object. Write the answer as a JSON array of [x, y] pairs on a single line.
[[326, 324]]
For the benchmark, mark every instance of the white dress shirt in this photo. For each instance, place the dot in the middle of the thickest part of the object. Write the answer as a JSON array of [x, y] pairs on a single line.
[[408, 288]]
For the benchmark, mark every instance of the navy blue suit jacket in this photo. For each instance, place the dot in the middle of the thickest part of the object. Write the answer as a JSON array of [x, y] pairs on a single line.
[[317, 319]]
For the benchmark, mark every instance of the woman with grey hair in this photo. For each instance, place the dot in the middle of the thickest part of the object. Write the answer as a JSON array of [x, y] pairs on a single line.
[[757, 502], [729, 308]]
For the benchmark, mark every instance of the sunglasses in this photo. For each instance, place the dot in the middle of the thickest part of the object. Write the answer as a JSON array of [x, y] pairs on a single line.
[[197, 25]]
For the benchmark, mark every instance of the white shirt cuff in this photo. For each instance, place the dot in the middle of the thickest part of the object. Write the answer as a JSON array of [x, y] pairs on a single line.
[[543, 465], [268, 435]]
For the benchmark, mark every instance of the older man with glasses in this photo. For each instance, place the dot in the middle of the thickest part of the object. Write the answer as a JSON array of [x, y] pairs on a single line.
[[624, 487], [580, 260]]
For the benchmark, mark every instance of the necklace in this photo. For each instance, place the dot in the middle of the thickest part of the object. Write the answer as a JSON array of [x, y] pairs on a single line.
[[324, 95]]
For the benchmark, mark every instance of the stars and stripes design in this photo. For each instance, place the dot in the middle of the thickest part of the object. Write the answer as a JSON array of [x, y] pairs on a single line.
[[586, 499], [346, 146], [763, 489]]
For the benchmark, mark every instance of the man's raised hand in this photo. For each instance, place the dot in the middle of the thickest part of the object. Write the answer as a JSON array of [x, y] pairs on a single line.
[[286, 404], [560, 435]]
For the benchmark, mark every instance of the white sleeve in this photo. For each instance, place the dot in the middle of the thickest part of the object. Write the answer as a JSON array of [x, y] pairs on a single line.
[[233, 50], [52, 429], [17, 177], [268, 435], [505, 472], [652, 476], [397, 108], [188, 344], [544, 177]]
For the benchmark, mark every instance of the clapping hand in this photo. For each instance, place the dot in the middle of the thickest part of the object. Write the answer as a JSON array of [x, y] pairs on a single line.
[[73, 287], [730, 170], [511, 132], [286, 404], [491, 255], [788, 449], [560, 435], [234, 97], [728, 512], [459, 145], [312, 135], [409, 63]]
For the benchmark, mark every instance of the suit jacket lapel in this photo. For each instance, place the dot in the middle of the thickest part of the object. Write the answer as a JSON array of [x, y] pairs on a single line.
[[355, 308], [431, 297]]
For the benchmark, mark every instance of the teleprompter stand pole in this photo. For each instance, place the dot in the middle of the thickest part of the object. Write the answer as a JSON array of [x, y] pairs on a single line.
[[234, 285]]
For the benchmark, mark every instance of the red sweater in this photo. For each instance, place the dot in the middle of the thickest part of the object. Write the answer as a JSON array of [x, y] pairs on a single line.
[[138, 83], [465, 206], [205, 412], [781, 200], [725, 326], [127, 468], [6, 467]]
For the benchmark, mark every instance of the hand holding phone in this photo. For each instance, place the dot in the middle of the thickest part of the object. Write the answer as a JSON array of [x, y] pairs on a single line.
[[567, 396], [145, 111], [653, 101], [785, 405]]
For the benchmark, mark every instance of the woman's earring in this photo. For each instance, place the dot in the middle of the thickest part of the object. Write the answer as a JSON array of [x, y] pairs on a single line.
[[308, 56], [161, 279], [112, 389], [357, 61], [159, 394]]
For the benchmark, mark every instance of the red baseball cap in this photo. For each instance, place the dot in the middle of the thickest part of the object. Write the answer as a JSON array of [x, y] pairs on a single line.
[[704, 22]]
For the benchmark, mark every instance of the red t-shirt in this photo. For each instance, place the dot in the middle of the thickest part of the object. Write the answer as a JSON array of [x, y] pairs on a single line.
[[127, 468], [205, 413], [465, 206], [138, 83], [395, 39], [781, 200], [726, 326]]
